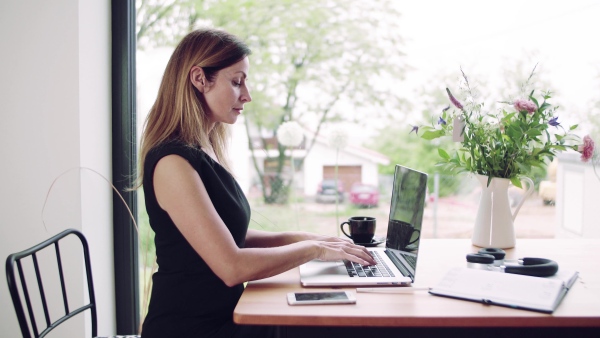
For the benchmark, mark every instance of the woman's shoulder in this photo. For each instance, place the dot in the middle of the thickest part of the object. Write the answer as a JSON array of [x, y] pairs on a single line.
[[192, 154], [175, 148]]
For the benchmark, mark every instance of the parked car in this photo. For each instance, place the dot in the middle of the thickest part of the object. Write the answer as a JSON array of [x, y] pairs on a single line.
[[364, 195], [327, 192]]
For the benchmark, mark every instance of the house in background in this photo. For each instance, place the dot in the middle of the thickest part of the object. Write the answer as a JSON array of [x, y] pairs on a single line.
[[355, 164]]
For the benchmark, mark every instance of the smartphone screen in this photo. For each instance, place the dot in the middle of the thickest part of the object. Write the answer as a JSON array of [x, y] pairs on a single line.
[[338, 297], [302, 297]]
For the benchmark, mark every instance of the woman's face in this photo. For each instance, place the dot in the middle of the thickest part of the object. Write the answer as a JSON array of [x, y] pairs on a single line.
[[227, 94]]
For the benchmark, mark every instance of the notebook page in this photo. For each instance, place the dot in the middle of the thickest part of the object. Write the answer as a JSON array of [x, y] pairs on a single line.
[[501, 288]]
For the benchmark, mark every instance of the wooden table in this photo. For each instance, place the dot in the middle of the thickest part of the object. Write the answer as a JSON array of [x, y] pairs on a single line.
[[264, 302]]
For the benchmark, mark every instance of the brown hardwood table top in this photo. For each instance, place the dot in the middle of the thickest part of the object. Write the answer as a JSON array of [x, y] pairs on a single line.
[[264, 302]]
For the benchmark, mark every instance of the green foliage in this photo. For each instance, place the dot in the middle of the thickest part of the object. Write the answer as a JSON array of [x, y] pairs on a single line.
[[396, 143], [308, 56], [147, 250], [507, 143]]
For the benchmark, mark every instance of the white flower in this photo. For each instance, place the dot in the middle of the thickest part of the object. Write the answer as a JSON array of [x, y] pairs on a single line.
[[338, 138], [290, 134]]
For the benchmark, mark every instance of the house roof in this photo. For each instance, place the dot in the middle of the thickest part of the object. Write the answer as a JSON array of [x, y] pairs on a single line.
[[359, 151], [350, 149]]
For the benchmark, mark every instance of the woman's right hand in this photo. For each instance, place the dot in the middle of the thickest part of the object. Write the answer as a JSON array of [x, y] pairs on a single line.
[[339, 250]]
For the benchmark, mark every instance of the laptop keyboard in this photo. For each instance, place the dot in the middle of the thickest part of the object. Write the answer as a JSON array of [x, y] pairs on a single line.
[[379, 270]]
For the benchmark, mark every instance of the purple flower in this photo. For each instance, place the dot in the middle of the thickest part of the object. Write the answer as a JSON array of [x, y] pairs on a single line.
[[441, 121], [525, 105], [553, 122], [454, 100], [587, 148], [415, 129], [448, 107]]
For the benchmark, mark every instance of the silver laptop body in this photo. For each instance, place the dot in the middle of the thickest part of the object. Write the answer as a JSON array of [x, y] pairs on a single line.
[[407, 205]]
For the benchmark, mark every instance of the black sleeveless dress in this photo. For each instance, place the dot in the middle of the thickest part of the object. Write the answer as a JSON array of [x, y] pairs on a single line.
[[188, 299]]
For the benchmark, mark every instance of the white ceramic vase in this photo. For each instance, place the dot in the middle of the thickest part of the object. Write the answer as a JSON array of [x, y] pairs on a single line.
[[494, 225]]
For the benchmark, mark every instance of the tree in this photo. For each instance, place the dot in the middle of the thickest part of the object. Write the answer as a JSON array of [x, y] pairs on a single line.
[[159, 22], [404, 146], [308, 58]]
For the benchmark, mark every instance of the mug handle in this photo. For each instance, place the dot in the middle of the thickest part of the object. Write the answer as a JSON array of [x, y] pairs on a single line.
[[342, 227], [416, 239]]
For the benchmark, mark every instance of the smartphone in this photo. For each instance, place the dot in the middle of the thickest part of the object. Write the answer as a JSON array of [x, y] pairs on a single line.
[[312, 298]]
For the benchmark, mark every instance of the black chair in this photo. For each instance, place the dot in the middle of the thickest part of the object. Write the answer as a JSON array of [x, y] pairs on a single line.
[[28, 322]]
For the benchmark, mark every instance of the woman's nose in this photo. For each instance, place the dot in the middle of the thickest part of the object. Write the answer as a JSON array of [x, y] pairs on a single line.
[[245, 96]]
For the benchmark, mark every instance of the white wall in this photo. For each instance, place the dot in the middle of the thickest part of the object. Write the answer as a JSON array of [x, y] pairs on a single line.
[[55, 116], [577, 198], [324, 155]]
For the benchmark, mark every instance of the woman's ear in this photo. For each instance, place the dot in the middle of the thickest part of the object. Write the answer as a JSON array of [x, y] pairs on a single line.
[[198, 79]]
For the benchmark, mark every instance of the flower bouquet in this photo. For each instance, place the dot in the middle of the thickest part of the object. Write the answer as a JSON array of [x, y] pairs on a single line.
[[507, 143], [500, 147]]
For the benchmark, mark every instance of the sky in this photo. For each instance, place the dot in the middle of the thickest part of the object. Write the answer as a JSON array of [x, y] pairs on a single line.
[[479, 36]]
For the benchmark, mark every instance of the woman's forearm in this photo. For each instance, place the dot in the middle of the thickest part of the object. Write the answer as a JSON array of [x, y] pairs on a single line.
[[267, 239]]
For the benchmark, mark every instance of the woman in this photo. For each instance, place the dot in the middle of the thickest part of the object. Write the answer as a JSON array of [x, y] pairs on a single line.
[[199, 214]]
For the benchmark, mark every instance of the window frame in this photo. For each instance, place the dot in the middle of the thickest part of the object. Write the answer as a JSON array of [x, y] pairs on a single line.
[[124, 158]]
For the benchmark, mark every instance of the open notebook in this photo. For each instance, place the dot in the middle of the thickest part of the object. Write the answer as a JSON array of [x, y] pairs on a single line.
[[397, 263], [542, 294]]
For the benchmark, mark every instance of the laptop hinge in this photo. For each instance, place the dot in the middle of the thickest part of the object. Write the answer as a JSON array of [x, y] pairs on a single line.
[[398, 264]]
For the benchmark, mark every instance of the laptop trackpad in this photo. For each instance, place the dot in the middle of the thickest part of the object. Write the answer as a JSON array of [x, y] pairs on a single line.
[[325, 268]]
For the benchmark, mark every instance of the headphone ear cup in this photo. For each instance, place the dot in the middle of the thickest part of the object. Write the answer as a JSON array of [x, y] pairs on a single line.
[[538, 267], [497, 253], [480, 258]]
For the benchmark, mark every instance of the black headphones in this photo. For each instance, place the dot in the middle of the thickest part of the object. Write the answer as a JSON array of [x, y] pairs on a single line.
[[494, 259]]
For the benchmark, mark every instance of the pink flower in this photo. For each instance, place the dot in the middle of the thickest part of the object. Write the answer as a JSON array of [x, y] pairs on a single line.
[[587, 149], [454, 101], [525, 105]]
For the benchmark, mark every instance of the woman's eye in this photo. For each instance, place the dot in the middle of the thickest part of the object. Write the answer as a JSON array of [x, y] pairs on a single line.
[[237, 83]]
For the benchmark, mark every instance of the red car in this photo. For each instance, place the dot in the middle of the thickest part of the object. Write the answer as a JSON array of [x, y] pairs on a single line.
[[364, 195]]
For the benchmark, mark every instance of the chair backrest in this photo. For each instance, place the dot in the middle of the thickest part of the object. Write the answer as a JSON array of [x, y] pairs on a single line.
[[27, 322]]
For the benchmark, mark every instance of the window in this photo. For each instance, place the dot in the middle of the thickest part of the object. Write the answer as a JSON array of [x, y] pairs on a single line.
[[408, 55]]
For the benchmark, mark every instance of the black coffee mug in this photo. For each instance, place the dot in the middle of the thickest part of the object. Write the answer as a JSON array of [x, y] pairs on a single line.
[[400, 234], [362, 229]]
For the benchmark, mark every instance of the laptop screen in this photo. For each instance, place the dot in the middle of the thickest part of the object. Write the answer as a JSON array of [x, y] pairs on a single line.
[[406, 216]]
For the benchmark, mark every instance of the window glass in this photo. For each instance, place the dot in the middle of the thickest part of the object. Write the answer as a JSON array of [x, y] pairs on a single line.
[[358, 76]]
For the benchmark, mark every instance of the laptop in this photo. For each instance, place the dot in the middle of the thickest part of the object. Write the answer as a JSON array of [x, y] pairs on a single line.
[[398, 264]]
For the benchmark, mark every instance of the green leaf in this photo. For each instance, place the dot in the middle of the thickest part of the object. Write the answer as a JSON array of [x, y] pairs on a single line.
[[522, 167], [430, 135], [443, 154], [543, 107], [558, 147], [516, 182], [573, 127], [534, 132], [534, 100]]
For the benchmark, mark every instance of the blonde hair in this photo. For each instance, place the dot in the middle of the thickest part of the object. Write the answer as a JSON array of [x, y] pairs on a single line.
[[179, 112]]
